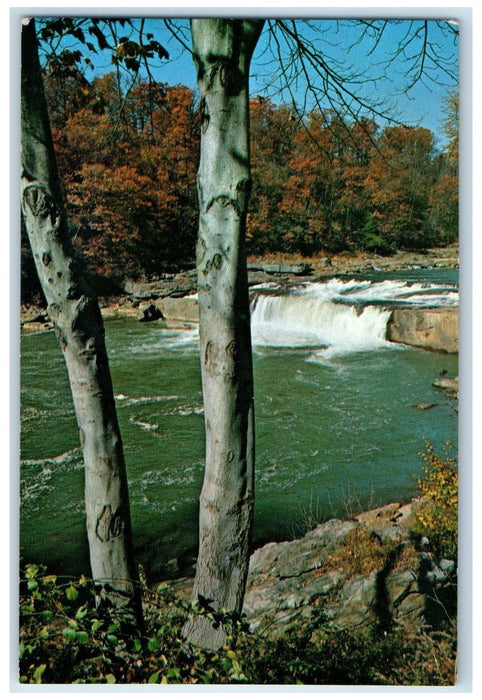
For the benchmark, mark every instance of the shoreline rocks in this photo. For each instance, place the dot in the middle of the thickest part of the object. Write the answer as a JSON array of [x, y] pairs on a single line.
[[282, 268], [172, 298], [355, 573], [434, 329]]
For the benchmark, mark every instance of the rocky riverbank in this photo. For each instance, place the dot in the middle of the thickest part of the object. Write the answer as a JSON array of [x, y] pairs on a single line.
[[171, 297], [126, 302], [367, 570], [346, 264]]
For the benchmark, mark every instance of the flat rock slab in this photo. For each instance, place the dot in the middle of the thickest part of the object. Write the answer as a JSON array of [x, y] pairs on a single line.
[[432, 328], [355, 573]]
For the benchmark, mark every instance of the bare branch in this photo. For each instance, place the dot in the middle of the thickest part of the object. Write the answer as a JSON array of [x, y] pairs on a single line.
[[178, 34]]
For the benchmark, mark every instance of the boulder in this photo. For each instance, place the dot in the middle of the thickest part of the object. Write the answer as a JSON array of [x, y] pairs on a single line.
[[448, 385], [283, 268], [148, 312], [361, 572], [169, 286], [143, 290], [431, 328], [179, 309]]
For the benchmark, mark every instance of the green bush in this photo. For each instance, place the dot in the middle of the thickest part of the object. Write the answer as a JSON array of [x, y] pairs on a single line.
[[327, 656], [68, 635], [438, 514], [370, 239]]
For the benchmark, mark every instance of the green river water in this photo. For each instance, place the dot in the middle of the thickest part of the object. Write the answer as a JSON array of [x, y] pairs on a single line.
[[333, 430]]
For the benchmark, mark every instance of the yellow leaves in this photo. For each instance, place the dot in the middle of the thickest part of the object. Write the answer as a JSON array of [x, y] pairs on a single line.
[[439, 511]]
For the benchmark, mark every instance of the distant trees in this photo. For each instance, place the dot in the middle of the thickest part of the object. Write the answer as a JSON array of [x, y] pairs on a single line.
[[335, 185], [444, 198], [129, 173], [321, 183]]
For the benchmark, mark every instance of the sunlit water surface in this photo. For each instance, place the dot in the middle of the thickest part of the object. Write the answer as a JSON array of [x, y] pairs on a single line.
[[336, 425]]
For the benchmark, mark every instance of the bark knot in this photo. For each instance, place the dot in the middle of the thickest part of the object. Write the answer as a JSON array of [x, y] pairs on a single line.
[[40, 202], [204, 115], [224, 201], [229, 75]]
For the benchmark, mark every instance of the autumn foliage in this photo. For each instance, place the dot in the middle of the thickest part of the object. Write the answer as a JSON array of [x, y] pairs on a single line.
[[128, 165], [438, 515], [325, 184], [128, 161]]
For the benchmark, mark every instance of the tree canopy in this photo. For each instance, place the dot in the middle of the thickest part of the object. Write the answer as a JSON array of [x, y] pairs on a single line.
[[321, 184], [327, 143]]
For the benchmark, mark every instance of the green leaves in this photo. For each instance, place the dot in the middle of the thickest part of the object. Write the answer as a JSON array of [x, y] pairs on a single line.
[[38, 673], [69, 634], [96, 625], [72, 593], [82, 637], [154, 677], [153, 644]]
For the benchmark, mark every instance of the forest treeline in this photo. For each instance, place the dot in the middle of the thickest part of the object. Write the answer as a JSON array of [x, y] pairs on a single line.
[[321, 184]]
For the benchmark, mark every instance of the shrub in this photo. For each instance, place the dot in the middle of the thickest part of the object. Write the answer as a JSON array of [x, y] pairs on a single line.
[[370, 239], [69, 635], [326, 656], [438, 514]]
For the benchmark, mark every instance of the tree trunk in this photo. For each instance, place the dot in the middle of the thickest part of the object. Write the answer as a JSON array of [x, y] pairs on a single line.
[[222, 52], [74, 311]]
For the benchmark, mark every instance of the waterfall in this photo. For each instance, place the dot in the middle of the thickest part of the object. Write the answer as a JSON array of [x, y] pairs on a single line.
[[297, 321], [337, 317]]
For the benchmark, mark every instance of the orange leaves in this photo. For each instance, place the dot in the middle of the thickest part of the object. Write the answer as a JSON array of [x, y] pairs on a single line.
[[128, 166]]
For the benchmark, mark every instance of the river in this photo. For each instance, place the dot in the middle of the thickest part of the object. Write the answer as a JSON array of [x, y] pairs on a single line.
[[336, 425]]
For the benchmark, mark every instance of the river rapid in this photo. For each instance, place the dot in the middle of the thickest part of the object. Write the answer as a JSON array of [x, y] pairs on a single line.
[[336, 425]]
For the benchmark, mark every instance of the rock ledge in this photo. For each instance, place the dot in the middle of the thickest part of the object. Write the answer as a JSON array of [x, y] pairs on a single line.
[[357, 572]]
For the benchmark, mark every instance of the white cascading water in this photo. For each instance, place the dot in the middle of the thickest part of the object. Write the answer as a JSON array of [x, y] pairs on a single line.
[[387, 291], [336, 316], [296, 321]]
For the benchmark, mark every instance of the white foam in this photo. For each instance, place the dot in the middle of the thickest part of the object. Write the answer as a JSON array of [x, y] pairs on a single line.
[[186, 339], [338, 316], [58, 460], [365, 291], [144, 424], [294, 321], [134, 400]]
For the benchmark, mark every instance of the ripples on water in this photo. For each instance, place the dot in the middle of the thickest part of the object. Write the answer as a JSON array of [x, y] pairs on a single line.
[[333, 405]]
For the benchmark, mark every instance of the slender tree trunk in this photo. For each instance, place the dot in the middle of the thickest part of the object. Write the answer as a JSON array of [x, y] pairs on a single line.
[[222, 51], [74, 311]]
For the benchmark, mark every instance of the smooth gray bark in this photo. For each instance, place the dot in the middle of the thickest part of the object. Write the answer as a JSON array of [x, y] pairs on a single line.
[[74, 311], [222, 51]]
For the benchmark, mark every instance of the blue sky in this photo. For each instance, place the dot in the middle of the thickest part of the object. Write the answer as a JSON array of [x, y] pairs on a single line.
[[366, 74]]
